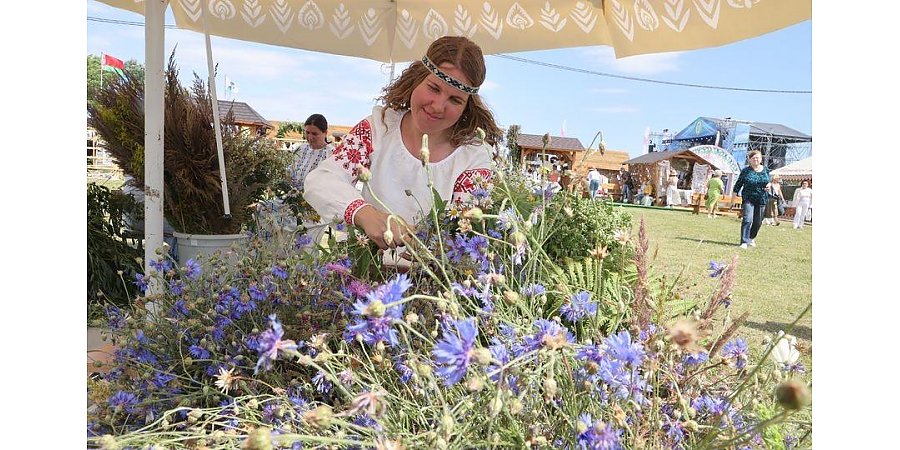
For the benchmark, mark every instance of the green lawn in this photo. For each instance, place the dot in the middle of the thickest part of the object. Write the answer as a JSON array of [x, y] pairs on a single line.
[[774, 279]]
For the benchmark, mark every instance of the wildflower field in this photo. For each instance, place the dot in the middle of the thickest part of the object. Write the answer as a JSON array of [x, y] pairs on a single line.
[[528, 319]]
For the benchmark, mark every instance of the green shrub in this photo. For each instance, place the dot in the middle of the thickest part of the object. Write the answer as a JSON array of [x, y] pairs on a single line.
[[107, 251], [581, 225]]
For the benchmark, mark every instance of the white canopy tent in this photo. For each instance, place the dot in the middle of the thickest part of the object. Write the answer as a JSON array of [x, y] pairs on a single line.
[[796, 171]]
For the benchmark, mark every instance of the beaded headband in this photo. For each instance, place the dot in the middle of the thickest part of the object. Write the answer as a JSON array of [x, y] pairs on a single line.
[[447, 78]]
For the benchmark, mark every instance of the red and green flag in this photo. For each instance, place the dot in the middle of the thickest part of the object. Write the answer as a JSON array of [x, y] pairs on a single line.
[[112, 64]]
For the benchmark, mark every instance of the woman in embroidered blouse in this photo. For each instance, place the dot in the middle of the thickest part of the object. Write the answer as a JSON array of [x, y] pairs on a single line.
[[751, 185], [436, 96]]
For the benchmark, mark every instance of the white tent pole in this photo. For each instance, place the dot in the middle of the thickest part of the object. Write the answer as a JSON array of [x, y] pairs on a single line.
[[215, 109], [154, 95]]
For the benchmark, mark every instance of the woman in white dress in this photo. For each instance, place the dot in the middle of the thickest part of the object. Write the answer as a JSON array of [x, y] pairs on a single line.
[[802, 203], [672, 189], [437, 96]]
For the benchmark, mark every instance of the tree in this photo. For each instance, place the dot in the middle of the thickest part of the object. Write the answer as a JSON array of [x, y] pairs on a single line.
[[93, 74], [512, 142]]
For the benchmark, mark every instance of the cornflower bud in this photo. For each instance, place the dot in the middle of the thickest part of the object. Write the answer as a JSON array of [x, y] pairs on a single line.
[[375, 309], [475, 214], [792, 395], [510, 297], [424, 152], [108, 442], [545, 139], [319, 417], [550, 388], [388, 237], [482, 356], [495, 405], [363, 173], [258, 439], [411, 318], [515, 406], [474, 384], [480, 134], [517, 238]]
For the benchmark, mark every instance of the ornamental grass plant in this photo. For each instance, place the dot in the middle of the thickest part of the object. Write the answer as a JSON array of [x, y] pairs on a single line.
[[485, 341], [192, 187]]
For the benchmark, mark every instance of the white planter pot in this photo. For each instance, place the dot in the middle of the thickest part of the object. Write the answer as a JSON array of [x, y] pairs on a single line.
[[191, 245]]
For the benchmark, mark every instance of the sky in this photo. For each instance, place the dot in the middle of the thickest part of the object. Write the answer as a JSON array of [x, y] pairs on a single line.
[[287, 84]]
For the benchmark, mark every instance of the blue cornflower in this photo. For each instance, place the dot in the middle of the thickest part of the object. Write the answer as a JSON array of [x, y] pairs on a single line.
[[596, 435], [494, 233], [302, 241], [405, 372], [507, 219], [162, 266], [269, 343], [256, 293], [480, 193], [645, 334], [454, 352], [534, 290], [198, 352], [674, 431], [161, 379], [192, 269], [321, 383], [620, 347], [549, 334], [179, 308], [737, 350], [710, 405], [140, 282], [716, 268], [692, 359], [279, 272], [115, 318], [341, 227], [176, 287], [374, 321], [790, 442], [578, 307], [124, 400]]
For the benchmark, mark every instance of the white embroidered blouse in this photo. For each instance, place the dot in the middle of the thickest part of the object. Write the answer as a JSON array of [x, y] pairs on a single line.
[[377, 145]]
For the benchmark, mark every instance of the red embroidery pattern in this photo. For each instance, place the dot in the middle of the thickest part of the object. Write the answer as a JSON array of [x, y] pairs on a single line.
[[355, 148], [465, 182], [351, 210]]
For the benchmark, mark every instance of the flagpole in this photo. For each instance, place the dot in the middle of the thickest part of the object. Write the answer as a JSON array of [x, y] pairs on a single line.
[[101, 70]]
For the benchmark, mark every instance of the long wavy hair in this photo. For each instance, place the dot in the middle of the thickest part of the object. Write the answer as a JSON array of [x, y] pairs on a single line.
[[467, 56]]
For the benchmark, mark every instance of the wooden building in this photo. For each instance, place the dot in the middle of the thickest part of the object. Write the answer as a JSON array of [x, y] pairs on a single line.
[[245, 117]]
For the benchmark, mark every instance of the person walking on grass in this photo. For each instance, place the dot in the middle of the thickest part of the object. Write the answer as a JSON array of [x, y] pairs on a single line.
[[751, 185], [593, 177], [714, 188], [802, 203]]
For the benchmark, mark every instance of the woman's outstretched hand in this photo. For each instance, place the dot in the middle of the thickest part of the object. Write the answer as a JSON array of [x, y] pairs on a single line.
[[374, 224]]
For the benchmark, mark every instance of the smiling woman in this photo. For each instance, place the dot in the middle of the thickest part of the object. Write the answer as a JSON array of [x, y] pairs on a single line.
[[424, 133]]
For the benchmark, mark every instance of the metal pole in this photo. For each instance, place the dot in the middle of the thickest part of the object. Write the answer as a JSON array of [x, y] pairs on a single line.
[[154, 94], [216, 122]]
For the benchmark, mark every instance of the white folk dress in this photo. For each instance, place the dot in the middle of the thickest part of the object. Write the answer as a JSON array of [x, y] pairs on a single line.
[[377, 145]]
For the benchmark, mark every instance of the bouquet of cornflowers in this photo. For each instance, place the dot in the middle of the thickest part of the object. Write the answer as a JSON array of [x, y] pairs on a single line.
[[484, 341]]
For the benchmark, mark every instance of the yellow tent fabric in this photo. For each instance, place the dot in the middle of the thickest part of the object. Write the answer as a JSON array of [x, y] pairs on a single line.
[[401, 30]]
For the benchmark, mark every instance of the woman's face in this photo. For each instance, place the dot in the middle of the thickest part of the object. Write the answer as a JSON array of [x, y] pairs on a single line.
[[756, 160], [314, 136], [436, 106], [804, 184]]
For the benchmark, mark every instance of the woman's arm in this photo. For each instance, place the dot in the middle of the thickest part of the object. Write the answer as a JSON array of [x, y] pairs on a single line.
[[330, 187]]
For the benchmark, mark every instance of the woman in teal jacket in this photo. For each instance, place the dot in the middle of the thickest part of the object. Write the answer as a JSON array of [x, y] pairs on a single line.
[[751, 185]]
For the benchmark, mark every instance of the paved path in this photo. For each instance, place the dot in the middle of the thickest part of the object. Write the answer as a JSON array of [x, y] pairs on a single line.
[[97, 350]]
